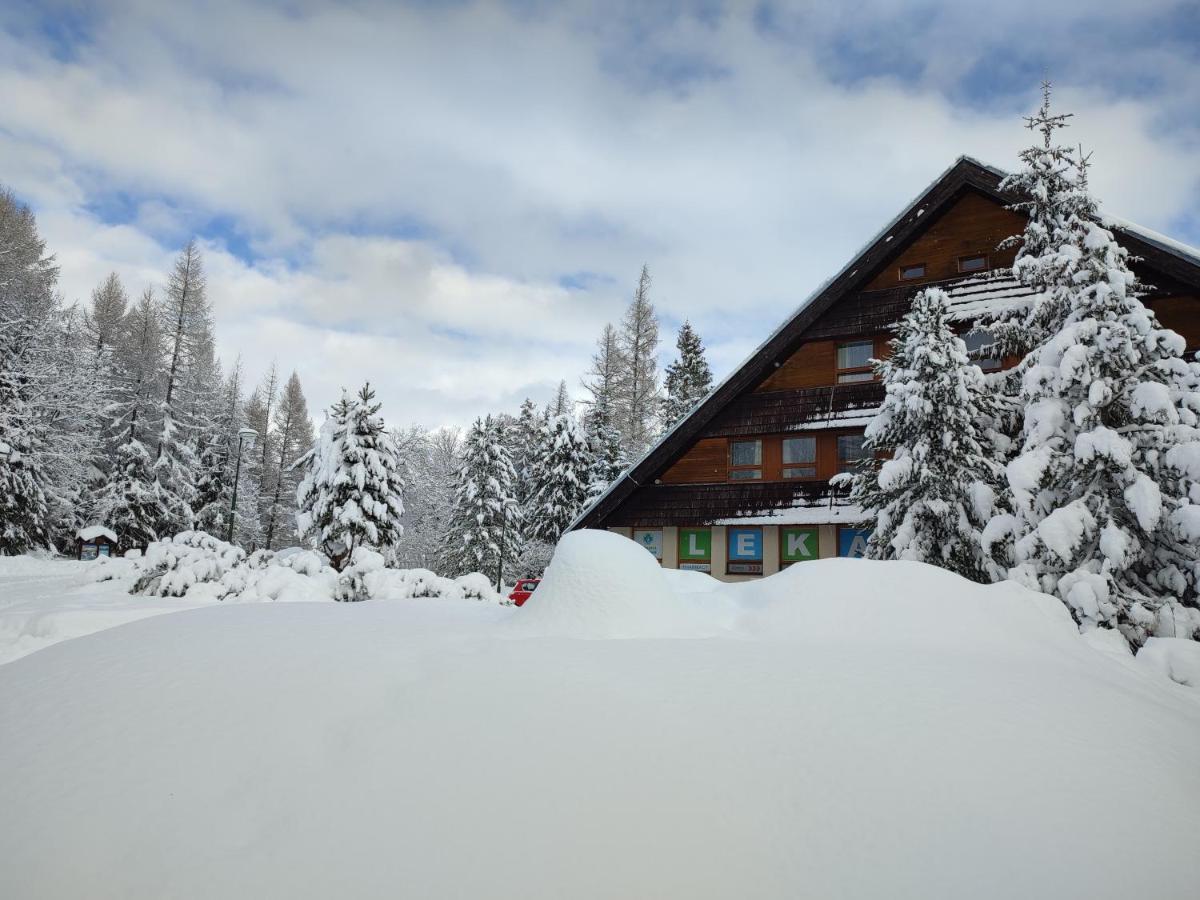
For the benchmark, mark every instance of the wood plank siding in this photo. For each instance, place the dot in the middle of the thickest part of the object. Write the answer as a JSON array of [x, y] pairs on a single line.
[[975, 225]]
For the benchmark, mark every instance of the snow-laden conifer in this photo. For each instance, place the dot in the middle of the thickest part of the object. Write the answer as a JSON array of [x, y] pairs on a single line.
[[933, 495], [351, 494], [688, 379], [486, 523], [562, 476], [129, 502], [1105, 482]]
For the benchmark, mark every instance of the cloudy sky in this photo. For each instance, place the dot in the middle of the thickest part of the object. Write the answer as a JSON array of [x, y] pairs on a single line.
[[452, 198]]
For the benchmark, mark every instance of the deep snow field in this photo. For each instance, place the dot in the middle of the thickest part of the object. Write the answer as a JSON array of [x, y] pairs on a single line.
[[844, 729]]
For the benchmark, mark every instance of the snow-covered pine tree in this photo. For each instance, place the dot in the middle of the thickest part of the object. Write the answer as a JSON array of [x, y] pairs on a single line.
[[266, 448], [293, 436], [27, 311], [688, 379], [1048, 193], [187, 327], [103, 327], [249, 530], [608, 453], [1105, 486], [522, 441], [129, 502], [485, 525], [636, 401], [351, 494], [561, 479], [932, 498], [218, 458]]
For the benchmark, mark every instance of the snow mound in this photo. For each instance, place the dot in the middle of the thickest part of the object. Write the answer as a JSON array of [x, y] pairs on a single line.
[[1175, 658], [603, 585], [899, 603]]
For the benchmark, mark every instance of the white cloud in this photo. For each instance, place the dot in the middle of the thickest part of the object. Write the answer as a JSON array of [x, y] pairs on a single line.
[[522, 147]]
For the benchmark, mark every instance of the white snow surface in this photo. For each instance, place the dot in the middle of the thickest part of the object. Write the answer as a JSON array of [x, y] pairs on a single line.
[[846, 729]]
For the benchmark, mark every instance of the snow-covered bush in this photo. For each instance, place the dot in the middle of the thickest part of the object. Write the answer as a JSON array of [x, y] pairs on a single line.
[[199, 566], [172, 567]]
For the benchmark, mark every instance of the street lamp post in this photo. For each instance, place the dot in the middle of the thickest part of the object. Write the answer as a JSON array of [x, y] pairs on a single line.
[[245, 435]]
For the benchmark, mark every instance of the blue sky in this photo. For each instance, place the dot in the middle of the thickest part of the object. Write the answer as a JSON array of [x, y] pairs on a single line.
[[451, 199]]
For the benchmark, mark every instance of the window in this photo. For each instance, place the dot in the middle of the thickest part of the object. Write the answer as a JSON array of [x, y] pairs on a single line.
[[797, 545], [915, 270], [854, 362], [745, 460], [745, 551], [850, 451], [975, 263], [981, 351], [695, 549], [852, 542], [800, 457]]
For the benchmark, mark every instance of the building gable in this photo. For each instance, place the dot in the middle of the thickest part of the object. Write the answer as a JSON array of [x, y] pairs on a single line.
[[789, 382]]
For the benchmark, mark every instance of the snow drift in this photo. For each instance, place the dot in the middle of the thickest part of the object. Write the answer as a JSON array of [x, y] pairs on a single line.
[[845, 729]]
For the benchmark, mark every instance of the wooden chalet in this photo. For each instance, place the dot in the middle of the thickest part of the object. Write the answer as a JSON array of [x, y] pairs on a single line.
[[741, 487]]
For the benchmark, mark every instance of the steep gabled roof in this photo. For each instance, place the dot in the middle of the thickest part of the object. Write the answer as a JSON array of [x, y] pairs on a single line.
[[1177, 261]]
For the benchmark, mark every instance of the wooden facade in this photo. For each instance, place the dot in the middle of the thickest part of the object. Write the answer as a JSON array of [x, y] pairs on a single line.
[[730, 467]]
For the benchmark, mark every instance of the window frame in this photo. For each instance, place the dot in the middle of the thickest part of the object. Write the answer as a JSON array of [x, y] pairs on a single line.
[[924, 267], [746, 566], [987, 263], [852, 372], [837, 452], [757, 467], [973, 355], [784, 465]]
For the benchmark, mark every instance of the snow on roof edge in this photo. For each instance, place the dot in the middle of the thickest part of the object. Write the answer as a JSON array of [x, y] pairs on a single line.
[[91, 532]]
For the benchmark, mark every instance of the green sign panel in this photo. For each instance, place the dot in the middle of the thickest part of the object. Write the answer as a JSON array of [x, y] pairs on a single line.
[[695, 543], [797, 544]]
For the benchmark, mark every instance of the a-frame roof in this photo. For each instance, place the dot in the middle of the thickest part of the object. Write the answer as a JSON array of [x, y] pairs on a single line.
[[1176, 261]]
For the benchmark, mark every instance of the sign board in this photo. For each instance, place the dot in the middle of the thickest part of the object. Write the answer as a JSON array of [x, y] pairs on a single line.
[[651, 540], [797, 544], [695, 544], [89, 551], [852, 542], [745, 546], [695, 567]]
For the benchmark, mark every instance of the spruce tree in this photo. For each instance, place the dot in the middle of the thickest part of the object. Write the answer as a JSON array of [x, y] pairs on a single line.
[[608, 454], [486, 523], [1108, 462], [130, 501], [932, 498], [561, 479], [688, 379], [351, 494], [293, 437], [636, 399]]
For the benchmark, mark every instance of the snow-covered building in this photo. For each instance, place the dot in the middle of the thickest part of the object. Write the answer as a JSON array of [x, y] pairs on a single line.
[[740, 487]]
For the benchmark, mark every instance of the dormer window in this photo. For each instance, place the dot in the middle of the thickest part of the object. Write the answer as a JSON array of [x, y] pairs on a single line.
[[911, 271], [976, 263]]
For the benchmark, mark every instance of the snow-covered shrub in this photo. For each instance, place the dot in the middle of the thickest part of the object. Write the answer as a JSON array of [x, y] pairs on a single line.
[[351, 583], [172, 567], [477, 586]]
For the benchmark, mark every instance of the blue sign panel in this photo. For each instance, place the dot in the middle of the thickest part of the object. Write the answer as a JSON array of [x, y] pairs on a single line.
[[852, 542], [745, 544]]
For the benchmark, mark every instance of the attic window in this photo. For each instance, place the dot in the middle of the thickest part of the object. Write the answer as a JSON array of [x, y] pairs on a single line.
[[977, 263], [909, 272], [854, 362], [745, 460]]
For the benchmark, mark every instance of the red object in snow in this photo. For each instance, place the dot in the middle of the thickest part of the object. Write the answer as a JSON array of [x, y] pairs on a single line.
[[522, 590]]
